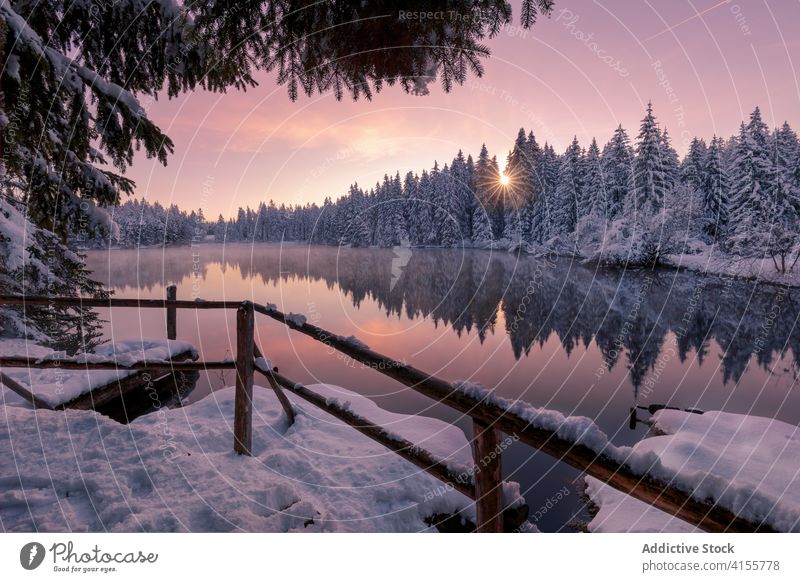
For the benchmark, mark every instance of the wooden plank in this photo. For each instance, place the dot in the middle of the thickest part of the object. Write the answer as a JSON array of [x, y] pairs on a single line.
[[488, 478], [18, 388], [172, 313], [706, 514], [285, 404], [243, 402], [115, 302], [78, 365]]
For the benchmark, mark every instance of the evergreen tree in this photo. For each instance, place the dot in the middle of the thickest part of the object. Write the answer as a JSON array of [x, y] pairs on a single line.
[[649, 177], [593, 194], [449, 223], [512, 228], [670, 161], [423, 225], [34, 261], [564, 215], [547, 176], [617, 162], [714, 188], [460, 199], [694, 165], [481, 227], [787, 168], [396, 213], [219, 230], [520, 168], [752, 173]]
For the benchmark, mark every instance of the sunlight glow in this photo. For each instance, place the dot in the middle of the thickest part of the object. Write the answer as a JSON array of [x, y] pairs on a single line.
[[505, 179]]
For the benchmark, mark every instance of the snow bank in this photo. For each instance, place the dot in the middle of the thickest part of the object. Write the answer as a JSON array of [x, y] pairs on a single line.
[[752, 460], [710, 261], [718, 456], [55, 386], [175, 470]]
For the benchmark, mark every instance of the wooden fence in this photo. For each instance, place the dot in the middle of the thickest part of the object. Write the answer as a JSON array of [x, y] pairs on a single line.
[[483, 484]]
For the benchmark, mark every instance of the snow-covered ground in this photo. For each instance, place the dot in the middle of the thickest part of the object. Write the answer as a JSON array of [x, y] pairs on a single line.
[[749, 453], [55, 386], [175, 470], [708, 259]]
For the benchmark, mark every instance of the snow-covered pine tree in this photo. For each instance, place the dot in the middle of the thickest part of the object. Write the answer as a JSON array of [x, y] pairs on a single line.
[[533, 156], [787, 166], [547, 177], [694, 164], [517, 167], [564, 215], [481, 228], [461, 197], [482, 179], [714, 188], [517, 193], [670, 161], [472, 200], [414, 206], [397, 212], [423, 227], [219, 229], [356, 231], [649, 176], [384, 229], [448, 220], [34, 261], [487, 190], [512, 228], [593, 192], [617, 163], [752, 172]]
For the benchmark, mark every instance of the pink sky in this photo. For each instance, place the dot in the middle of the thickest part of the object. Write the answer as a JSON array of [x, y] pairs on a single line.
[[705, 64]]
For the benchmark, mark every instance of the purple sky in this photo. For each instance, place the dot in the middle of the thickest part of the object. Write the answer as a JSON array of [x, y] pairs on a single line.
[[705, 64]]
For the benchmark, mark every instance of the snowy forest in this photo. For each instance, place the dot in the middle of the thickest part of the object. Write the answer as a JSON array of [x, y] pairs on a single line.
[[627, 202]]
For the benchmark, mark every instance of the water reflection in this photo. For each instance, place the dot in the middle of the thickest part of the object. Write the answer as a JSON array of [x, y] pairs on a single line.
[[637, 319]]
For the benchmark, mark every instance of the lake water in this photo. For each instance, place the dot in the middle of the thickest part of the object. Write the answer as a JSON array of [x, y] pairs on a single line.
[[552, 332]]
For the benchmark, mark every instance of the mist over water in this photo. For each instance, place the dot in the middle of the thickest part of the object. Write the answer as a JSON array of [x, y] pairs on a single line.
[[549, 331]]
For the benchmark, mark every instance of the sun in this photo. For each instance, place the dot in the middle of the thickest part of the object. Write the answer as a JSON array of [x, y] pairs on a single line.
[[505, 179]]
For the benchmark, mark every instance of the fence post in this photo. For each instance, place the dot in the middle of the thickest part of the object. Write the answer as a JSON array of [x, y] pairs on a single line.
[[243, 404], [488, 478], [172, 313]]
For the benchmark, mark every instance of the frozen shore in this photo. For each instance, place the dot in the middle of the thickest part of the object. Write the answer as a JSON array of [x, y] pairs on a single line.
[[175, 470]]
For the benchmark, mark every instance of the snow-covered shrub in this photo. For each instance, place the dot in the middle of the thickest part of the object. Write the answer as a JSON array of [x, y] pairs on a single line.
[[34, 261], [644, 239]]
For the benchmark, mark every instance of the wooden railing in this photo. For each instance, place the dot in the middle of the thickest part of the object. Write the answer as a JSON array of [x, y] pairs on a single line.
[[483, 483]]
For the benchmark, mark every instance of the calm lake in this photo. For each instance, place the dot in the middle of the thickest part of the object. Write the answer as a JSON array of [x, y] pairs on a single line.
[[582, 340]]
